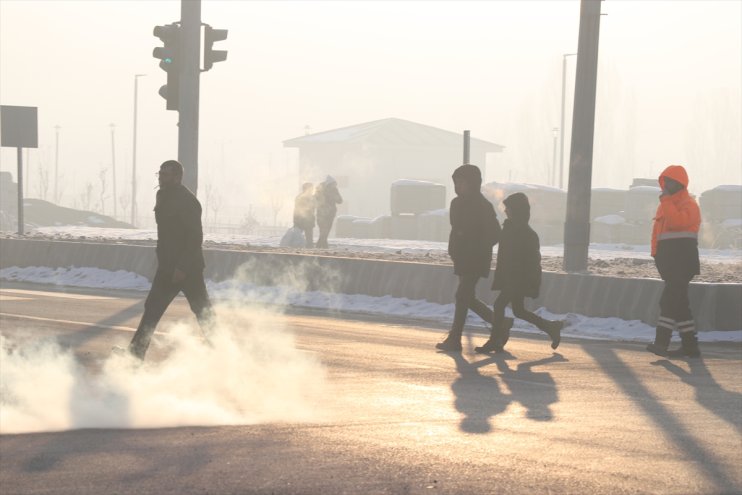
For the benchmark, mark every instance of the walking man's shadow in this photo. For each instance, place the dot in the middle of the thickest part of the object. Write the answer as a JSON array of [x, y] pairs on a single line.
[[478, 397], [708, 392], [536, 391]]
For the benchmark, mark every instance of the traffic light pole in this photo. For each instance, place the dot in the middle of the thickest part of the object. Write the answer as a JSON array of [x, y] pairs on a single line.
[[190, 71], [577, 225]]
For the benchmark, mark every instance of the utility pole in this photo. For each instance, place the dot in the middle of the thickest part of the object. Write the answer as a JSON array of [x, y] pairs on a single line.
[[27, 176], [577, 224], [134, 154], [554, 133], [56, 165], [190, 71], [180, 58], [561, 139], [467, 141], [113, 167]]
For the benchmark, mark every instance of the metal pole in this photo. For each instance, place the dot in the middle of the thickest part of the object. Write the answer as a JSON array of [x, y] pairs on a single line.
[[561, 146], [190, 22], [20, 191], [134, 154], [555, 132], [113, 167], [56, 165], [466, 147], [26, 181], [577, 224]]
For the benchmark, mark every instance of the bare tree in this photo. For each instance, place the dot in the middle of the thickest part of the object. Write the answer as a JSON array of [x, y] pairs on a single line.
[[713, 142], [43, 183], [276, 201], [86, 197], [124, 201], [102, 178], [249, 222], [208, 196], [216, 203], [615, 129]]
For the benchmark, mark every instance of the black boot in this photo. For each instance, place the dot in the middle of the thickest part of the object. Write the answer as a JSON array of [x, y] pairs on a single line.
[[451, 344], [661, 341], [497, 339], [554, 330], [688, 346]]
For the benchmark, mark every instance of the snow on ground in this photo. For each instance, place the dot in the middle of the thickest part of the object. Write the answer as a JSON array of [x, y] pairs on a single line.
[[597, 251], [581, 326]]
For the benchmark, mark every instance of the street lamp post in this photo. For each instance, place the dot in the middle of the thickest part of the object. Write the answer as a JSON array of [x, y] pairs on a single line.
[[56, 164], [561, 146], [554, 133], [113, 166], [134, 154]]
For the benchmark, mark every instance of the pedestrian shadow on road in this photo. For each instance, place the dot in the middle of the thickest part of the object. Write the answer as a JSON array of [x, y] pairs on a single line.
[[705, 460], [536, 391], [479, 398], [708, 392]]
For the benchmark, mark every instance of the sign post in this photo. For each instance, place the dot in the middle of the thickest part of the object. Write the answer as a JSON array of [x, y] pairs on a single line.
[[19, 129]]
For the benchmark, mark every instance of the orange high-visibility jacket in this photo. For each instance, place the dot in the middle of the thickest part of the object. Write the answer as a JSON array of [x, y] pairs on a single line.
[[678, 215]]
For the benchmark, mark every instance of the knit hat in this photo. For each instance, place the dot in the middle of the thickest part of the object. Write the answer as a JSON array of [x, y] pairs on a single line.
[[518, 206], [470, 173]]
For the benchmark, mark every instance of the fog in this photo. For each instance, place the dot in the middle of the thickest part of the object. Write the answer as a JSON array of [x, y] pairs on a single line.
[[669, 90], [250, 372]]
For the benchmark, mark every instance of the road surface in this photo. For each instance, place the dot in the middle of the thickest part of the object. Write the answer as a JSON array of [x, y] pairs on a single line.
[[391, 415]]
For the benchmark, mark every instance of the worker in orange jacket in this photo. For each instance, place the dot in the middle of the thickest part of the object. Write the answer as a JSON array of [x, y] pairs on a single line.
[[675, 252]]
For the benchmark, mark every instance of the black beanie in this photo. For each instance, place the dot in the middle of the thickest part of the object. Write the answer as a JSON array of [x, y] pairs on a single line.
[[519, 207], [470, 173]]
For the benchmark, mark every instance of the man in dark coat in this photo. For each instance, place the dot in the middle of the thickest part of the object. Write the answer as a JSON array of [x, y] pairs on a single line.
[[517, 274], [304, 206], [327, 197], [474, 232], [180, 260]]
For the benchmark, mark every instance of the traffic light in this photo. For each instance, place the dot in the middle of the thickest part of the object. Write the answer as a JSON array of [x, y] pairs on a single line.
[[212, 56], [169, 55]]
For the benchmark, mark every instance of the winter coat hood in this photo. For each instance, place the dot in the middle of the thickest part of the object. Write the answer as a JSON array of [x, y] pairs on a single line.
[[519, 207], [675, 172], [469, 173]]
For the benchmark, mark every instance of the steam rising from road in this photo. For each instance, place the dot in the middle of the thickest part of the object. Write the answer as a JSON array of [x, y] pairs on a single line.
[[250, 373]]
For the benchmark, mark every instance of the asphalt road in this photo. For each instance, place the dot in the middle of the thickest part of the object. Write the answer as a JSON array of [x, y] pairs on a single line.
[[392, 415]]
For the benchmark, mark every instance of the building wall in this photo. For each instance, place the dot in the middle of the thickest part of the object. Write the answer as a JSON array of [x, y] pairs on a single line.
[[365, 173]]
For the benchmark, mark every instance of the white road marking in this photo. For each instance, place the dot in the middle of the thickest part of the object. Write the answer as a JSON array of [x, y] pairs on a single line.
[[3, 297], [62, 295], [69, 322]]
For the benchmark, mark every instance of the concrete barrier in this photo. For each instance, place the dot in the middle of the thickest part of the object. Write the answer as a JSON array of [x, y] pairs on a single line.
[[715, 306]]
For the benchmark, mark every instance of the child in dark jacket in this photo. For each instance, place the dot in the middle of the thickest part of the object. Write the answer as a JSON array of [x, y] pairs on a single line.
[[517, 275], [474, 232]]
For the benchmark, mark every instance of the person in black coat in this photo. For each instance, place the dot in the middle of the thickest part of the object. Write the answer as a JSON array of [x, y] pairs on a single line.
[[517, 274], [474, 232], [304, 206], [180, 260], [327, 197]]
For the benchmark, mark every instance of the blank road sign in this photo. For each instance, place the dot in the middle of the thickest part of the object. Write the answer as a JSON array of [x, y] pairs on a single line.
[[19, 127]]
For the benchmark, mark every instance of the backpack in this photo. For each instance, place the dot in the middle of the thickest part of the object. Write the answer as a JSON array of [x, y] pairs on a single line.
[[294, 237]]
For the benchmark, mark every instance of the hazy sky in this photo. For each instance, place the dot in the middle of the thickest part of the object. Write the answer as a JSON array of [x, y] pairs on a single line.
[[669, 86]]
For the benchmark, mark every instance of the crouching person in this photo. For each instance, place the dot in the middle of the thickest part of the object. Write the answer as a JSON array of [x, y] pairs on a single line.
[[675, 252]]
